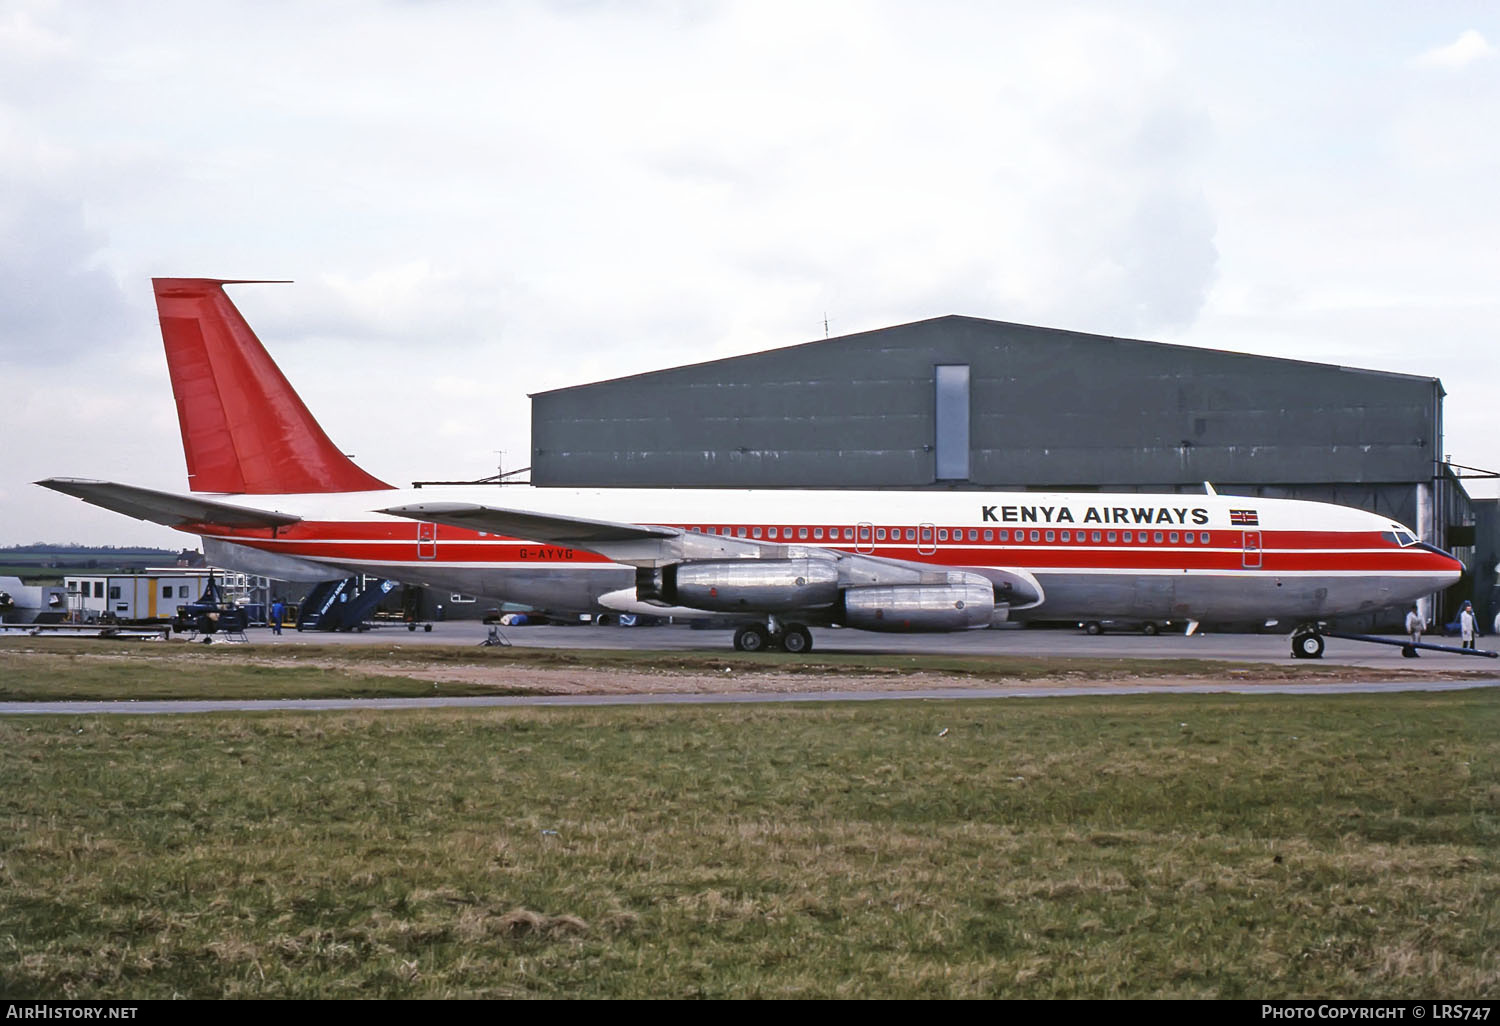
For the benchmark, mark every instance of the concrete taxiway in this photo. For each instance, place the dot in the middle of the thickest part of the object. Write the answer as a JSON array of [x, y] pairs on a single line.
[[1040, 643], [160, 708]]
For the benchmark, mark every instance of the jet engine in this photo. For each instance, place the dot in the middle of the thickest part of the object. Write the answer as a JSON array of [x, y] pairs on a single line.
[[762, 585], [970, 602]]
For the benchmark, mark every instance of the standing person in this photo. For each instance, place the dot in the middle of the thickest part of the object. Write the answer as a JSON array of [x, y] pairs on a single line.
[[1415, 625], [278, 610], [1467, 624]]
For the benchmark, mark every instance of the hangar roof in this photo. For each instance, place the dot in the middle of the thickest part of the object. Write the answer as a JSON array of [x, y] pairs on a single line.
[[875, 336]]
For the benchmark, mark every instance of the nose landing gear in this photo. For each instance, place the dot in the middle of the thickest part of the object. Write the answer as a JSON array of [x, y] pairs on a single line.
[[1307, 643]]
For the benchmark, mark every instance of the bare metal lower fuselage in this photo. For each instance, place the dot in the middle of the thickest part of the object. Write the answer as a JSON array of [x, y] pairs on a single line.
[[1223, 596]]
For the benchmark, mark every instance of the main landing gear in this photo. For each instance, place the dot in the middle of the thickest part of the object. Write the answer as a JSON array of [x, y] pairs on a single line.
[[757, 637]]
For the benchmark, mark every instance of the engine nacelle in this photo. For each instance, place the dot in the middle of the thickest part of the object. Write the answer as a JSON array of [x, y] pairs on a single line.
[[759, 585], [921, 607]]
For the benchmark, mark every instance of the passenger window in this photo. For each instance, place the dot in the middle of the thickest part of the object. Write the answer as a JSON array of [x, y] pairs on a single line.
[[1066, 536], [1037, 537], [942, 534], [1112, 536], [911, 534], [770, 534], [1157, 538], [848, 534], [880, 534], [973, 534], [1096, 536], [990, 535], [1172, 538], [755, 533], [802, 532], [1004, 536], [1129, 537], [740, 532]]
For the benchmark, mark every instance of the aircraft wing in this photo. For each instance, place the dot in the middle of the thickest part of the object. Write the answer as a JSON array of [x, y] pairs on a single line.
[[515, 523], [166, 508], [631, 544], [645, 546]]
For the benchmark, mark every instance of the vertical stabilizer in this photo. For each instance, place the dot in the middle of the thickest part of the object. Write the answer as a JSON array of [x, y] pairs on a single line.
[[244, 429]]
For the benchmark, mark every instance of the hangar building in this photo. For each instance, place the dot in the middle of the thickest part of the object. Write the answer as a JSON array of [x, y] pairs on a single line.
[[966, 403]]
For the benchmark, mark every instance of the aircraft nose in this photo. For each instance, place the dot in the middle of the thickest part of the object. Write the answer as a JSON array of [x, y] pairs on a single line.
[[1450, 563]]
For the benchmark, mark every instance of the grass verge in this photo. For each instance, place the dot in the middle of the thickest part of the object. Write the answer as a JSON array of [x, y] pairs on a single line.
[[1164, 846]]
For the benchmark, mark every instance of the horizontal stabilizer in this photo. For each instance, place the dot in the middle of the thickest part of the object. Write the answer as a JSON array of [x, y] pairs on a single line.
[[166, 508], [540, 527]]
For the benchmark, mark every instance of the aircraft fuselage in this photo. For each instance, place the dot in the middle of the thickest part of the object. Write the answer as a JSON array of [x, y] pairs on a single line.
[[1090, 555]]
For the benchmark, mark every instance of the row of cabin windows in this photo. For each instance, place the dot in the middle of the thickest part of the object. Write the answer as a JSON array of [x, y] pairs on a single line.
[[785, 533], [974, 534]]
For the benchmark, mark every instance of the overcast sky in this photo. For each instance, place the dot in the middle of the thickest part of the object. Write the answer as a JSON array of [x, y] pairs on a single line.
[[479, 200]]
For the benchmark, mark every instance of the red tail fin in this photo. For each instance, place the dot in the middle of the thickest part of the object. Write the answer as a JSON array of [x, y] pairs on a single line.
[[244, 429]]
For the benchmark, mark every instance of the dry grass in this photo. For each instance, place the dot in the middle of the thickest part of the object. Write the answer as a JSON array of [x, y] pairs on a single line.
[[36, 669]]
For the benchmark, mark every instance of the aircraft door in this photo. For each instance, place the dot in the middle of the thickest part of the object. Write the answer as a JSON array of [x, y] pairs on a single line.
[[864, 537], [426, 540], [926, 539], [1251, 552]]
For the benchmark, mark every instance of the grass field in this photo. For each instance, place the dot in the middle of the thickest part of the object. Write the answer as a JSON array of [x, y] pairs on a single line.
[[1180, 846]]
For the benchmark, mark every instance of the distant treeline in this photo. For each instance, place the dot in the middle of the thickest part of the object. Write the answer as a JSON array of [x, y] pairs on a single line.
[[93, 557]]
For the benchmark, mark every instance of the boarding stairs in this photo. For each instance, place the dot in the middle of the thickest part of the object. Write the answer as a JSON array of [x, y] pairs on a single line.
[[344, 605]]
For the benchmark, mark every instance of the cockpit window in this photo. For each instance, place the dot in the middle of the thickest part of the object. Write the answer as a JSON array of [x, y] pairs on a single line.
[[1399, 535]]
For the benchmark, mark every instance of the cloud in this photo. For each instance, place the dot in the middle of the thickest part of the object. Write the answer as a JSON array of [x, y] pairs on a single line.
[[1469, 47], [57, 301], [483, 200]]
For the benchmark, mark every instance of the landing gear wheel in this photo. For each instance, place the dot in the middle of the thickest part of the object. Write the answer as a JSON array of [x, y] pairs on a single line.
[[752, 638], [1150, 630], [1307, 646], [796, 639]]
